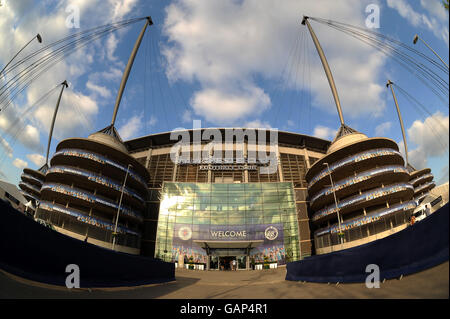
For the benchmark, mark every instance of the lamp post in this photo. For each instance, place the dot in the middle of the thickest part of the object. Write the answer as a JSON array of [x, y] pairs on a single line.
[[118, 209], [416, 37], [38, 37], [335, 201]]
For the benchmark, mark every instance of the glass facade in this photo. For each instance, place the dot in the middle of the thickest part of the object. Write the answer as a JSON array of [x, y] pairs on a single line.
[[236, 212]]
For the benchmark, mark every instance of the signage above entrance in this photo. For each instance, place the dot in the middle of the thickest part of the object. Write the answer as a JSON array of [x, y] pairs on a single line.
[[228, 233]]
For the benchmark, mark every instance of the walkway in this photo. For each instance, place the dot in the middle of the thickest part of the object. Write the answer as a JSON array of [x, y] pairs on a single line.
[[432, 283]]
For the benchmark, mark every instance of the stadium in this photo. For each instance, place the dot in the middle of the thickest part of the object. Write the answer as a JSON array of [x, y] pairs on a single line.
[[208, 213], [206, 197]]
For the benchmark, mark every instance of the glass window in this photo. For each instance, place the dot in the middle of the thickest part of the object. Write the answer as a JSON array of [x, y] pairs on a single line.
[[254, 207], [201, 220], [218, 207], [253, 197], [271, 199], [272, 219], [236, 220], [228, 204], [234, 213], [202, 200], [256, 220], [236, 188], [254, 213], [185, 205], [219, 188], [184, 213], [236, 200], [271, 193], [269, 186], [252, 187], [204, 188], [271, 206], [201, 213], [287, 205], [270, 213], [288, 219], [184, 220], [219, 199], [219, 220]]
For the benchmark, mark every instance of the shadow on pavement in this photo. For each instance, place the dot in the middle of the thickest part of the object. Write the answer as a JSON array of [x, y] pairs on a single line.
[[13, 289]]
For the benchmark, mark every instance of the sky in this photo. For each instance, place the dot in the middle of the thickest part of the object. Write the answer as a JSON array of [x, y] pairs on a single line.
[[228, 63]]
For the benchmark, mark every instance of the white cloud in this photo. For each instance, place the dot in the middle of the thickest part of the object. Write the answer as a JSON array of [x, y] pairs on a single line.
[[73, 116], [430, 138], [101, 90], [383, 128], [436, 8], [112, 74], [226, 45], [153, 120], [257, 124], [444, 175], [187, 116], [219, 106], [16, 128], [8, 149], [324, 132], [37, 159], [438, 26], [30, 137], [121, 7], [20, 163], [111, 45], [3, 176], [131, 127], [18, 24]]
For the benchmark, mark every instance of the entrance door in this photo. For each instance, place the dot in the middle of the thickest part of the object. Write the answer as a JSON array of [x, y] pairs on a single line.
[[225, 262], [214, 262], [241, 262]]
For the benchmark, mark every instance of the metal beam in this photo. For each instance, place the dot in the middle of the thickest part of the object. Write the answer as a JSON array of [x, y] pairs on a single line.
[[126, 73], [389, 84], [326, 67], [64, 85]]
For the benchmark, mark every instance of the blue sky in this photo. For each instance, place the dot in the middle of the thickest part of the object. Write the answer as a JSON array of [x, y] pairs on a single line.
[[228, 63]]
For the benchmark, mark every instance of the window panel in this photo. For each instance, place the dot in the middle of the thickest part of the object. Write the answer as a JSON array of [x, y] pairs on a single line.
[[201, 221], [184, 220]]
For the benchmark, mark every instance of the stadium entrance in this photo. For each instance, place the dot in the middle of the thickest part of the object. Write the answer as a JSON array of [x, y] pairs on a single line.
[[249, 222], [223, 255], [225, 262]]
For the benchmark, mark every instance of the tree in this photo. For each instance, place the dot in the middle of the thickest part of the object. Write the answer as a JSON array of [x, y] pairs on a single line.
[[445, 3]]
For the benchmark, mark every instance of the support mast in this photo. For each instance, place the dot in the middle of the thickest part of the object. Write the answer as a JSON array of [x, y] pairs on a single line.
[[389, 84], [326, 67], [126, 73], [64, 85]]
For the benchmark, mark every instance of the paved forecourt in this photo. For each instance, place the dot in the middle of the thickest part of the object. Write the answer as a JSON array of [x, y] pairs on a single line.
[[431, 283]]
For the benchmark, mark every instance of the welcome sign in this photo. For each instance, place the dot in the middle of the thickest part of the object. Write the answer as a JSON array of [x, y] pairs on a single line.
[[228, 234], [184, 236]]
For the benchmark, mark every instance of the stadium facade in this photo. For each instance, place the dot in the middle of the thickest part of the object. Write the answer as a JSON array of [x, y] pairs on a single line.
[[91, 184], [359, 192], [31, 182], [181, 209], [228, 208]]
